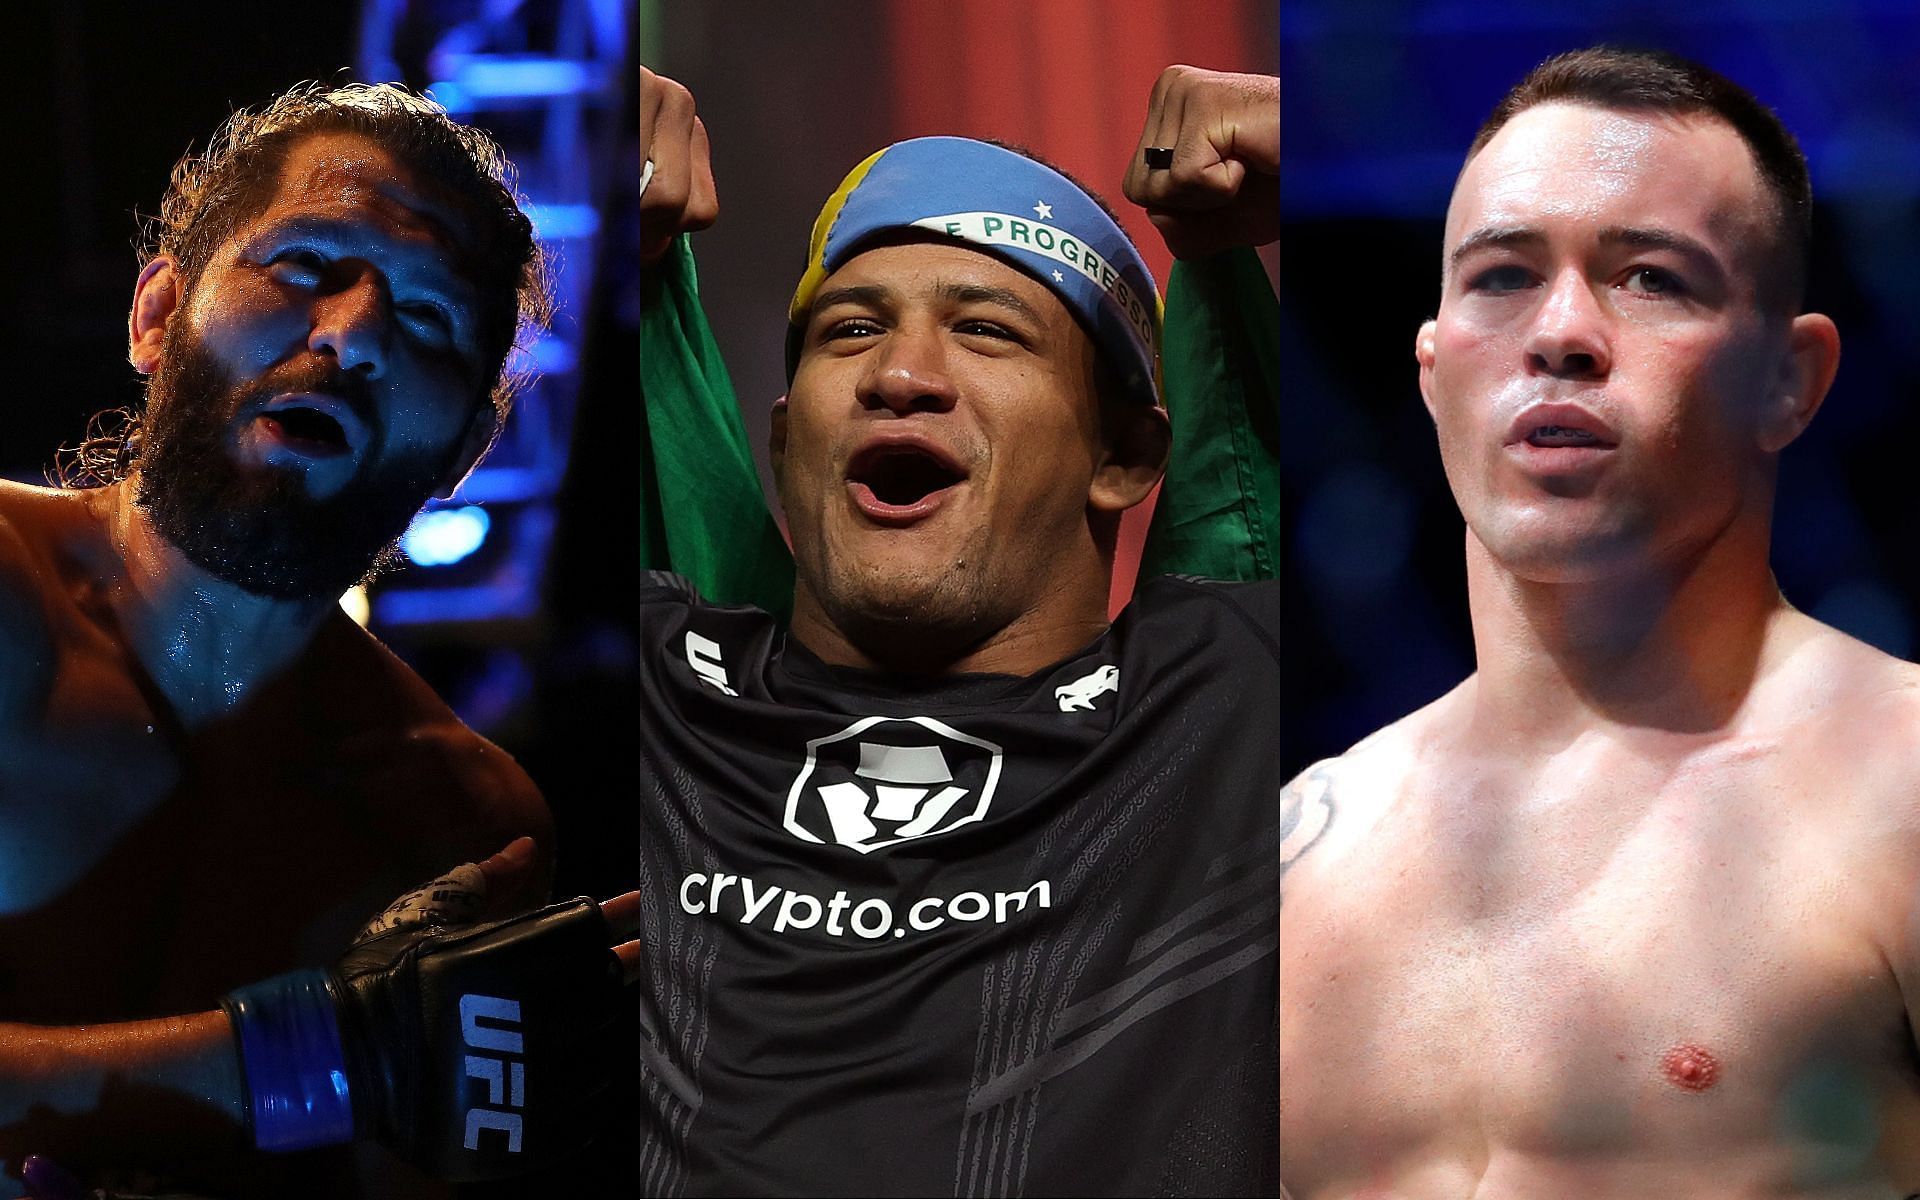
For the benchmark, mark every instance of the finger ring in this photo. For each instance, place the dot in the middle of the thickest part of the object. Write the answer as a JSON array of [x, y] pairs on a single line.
[[1159, 158]]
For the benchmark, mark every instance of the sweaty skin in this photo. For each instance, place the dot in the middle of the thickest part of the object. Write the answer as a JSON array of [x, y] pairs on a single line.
[[1631, 911], [161, 861], [201, 787], [1654, 962]]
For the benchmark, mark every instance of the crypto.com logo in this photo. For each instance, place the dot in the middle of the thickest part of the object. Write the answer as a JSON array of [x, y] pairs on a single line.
[[885, 780]]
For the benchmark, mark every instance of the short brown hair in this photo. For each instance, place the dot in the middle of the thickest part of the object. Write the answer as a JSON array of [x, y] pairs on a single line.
[[214, 194], [1653, 81]]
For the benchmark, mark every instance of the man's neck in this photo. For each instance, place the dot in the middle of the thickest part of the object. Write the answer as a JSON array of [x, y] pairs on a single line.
[[1674, 646], [1030, 643], [206, 643]]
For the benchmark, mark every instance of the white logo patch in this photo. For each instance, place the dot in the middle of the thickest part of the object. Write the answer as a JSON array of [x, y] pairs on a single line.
[[1082, 692], [703, 655], [884, 780]]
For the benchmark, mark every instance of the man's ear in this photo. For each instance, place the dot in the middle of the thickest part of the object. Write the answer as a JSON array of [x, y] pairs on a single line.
[[1423, 354], [156, 294], [1133, 460], [777, 437], [481, 431], [1806, 372]]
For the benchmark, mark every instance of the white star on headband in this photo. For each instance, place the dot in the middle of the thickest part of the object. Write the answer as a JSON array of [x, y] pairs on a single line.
[[1044, 210], [1059, 278]]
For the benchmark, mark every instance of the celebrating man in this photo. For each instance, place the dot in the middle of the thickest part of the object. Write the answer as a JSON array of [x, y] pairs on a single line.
[[958, 887], [1631, 911]]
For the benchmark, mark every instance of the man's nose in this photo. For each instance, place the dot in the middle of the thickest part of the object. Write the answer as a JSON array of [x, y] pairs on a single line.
[[909, 373], [1569, 335], [352, 322]]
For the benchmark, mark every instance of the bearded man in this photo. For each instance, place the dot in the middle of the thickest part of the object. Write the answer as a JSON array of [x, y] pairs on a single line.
[[208, 773]]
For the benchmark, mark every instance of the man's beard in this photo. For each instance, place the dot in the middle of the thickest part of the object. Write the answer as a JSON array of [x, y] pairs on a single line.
[[256, 527]]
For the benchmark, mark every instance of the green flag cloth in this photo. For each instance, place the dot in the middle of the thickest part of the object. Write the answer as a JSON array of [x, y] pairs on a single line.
[[1218, 514], [703, 515]]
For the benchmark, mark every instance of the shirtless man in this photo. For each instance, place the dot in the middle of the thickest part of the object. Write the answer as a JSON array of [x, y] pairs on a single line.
[[208, 774], [1631, 911]]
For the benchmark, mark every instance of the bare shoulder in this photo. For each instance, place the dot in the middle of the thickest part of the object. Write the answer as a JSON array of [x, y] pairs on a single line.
[[1338, 796], [1854, 768], [1844, 735], [34, 522], [1853, 713], [21, 549], [34, 514], [486, 783], [405, 737], [45, 537], [51, 537], [1381, 763]]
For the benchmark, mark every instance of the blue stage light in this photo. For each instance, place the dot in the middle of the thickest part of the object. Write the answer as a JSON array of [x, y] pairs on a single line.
[[557, 222], [445, 535], [505, 76]]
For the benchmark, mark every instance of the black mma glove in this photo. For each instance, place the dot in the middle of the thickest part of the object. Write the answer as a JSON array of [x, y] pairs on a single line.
[[473, 1051]]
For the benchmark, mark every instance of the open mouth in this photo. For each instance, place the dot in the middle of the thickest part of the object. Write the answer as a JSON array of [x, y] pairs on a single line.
[[901, 478], [1564, 435], [309, 428], [314, 424], [1560, 426]]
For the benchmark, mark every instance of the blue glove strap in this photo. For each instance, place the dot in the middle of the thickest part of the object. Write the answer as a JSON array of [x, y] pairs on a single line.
[[295, 1069]]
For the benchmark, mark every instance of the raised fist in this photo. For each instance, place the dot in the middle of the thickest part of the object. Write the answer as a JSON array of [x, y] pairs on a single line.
[[676, 168], [1222, 186]]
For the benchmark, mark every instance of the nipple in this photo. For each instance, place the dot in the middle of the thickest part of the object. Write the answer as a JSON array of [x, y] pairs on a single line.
[[1690, 1067]]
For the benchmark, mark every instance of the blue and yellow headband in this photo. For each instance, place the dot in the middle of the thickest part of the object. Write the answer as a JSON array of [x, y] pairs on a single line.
[[1027, 213]]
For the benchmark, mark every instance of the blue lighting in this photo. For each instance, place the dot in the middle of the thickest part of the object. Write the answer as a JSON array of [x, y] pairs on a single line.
[[445, 535], [498, 77], [491, 77], [557, 222]]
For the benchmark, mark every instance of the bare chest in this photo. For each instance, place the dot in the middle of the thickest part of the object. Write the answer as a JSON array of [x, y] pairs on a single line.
[[86, 755], [150, 869], [1604, 967]]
